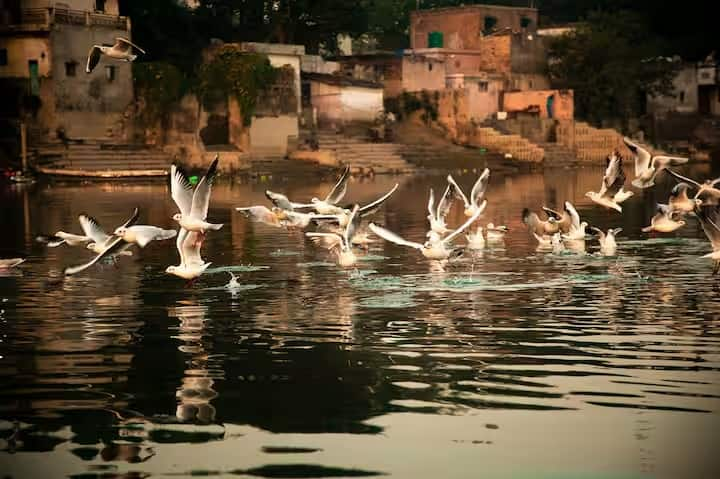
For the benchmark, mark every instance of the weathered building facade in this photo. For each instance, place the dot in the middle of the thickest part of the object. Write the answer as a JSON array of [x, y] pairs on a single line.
[[43, 52], [338, 99]]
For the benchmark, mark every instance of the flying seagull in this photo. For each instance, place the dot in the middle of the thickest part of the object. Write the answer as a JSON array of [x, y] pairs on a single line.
[[436, 216], [435, 248], [122, 50], [611, 192], [193, 205], [328, 206], [664, 221], [97, 236], [191, 265], [113, 246], [141, 235], [476, 194], [342, 244], [648, 166], [538, 226]]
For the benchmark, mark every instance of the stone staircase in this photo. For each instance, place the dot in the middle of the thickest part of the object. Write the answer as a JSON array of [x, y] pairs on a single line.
[[359, 153], [99, 158], [557, 154], [514, 145], [590, 144]]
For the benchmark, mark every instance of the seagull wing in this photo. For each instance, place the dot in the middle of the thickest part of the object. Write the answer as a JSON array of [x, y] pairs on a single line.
[[116, 244], [279, 200], [614, 178], [480, 186], [574, 216], [642, 156], [600, 233], [431, 205], [372, 208], [179, 244], [680, 177], [93, 58], [124, 44], [552, 213], [145, 234], [392, 237], [201, 197], [465, 225], [133, 218], [338, 191], [327, 240], [92, 229], [181, 190], [191, 249], [352, 226], [458, 192], [661, 162], [443, 207], [260, 214], [709, 217]]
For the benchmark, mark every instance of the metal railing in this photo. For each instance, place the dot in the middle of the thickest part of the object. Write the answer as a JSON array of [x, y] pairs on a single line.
[[44, 17]]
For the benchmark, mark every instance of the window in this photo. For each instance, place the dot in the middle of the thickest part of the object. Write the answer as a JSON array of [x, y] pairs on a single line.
[[99, 5], [525, 22], [70, 68], [110, 73], [482, 86], [429, 67], [530, 84], [3, 56], [490, 23]]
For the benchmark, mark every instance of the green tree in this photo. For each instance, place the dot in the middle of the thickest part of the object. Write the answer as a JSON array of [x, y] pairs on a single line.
[[611, 62]]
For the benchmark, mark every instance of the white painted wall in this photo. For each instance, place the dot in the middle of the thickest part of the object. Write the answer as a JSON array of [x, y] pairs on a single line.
[[360, 103]]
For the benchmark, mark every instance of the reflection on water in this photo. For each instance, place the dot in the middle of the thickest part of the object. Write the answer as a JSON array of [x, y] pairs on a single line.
[[513, 361]]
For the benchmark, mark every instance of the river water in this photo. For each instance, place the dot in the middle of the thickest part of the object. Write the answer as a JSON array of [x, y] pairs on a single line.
[[509, 363]]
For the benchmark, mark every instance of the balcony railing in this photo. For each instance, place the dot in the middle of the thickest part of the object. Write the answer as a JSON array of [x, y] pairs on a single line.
[[41, 19]]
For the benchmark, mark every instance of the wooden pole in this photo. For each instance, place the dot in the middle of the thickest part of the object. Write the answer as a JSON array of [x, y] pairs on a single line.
[[23, 146]]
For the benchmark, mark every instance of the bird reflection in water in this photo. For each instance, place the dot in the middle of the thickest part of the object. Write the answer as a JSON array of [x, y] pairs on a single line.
[[196, 391]]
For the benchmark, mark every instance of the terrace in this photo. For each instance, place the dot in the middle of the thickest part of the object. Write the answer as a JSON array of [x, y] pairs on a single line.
[[41, 19]]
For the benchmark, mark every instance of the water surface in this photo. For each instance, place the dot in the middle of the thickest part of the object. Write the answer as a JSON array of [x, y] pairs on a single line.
[[509, 363]]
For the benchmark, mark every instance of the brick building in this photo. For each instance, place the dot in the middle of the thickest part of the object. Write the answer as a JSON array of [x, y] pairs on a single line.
[[43, 51]]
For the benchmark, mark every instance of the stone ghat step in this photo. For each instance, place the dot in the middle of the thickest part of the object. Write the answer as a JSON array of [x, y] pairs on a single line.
[[116, 166]]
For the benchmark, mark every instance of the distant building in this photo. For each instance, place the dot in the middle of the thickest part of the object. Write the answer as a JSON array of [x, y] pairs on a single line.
[[43, 52], [398, 72], [695, 91]]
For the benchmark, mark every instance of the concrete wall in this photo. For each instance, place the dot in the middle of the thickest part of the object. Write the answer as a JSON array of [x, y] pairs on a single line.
[[336, 104], [22, 49], [359, 103], [563, 106], [422, 74], [462, 27], [470, 102], [685, 98], [316, 64], [269, 135]]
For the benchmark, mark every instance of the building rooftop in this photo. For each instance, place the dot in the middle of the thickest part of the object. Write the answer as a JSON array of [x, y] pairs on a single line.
[[273, 48], [340, 80]]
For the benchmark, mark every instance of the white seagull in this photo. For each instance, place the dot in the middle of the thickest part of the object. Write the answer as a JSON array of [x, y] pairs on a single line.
[[121, 50], [611, 192], [434, 248], [191, 265], [193, 205], [436, 216], [342, 244], [475, 241], [141, 235], [608, 245], [113, 246], [329, 206], [97, 236], [664, 221], [476, 194], [495, 233], [577, 228], [648, 166]]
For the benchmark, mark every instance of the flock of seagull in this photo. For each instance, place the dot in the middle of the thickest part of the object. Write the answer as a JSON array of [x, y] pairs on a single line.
[[344, 230]]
